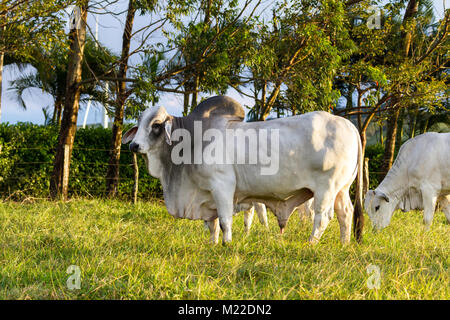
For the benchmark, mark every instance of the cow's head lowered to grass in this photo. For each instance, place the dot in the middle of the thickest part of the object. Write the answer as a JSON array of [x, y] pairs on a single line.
[[379, 208]]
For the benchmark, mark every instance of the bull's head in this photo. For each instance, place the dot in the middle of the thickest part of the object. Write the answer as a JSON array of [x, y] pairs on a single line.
[[154, 128], [379, 208]]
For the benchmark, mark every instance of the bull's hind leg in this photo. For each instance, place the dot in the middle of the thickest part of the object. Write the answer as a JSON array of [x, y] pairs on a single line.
[[444, 203], [344, 210], [213, 230], [446, 211], [248, 218], [429, 199], [261, 211], [323, 207]]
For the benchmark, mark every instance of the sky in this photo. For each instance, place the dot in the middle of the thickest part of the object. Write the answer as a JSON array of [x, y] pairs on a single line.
[[109, 34]]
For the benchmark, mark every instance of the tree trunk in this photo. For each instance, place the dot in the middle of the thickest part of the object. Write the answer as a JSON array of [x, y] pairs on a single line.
[[263, 96], [389, 149], [391, 134], [363, 136], [195, 92], [359, 109], [381, 134], [207, 10], [411, 10], [414, 124], [366, 176], [400, 126], [59, 119], [186, 103], [61, 164], [112, 175], [349, 102], [425, 126], [268, 105], [57, 111]]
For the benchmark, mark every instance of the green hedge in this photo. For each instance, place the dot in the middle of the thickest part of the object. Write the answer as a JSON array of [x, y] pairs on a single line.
[[26, 161]]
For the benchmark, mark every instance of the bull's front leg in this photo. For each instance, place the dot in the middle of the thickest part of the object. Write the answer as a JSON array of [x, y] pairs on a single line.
[[225, 211]]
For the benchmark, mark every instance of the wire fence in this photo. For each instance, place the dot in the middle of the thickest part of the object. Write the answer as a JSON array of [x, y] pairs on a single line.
[[30, 169], [26, 172]]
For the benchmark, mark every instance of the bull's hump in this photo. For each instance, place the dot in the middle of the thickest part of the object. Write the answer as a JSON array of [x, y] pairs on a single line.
[[219, 106]]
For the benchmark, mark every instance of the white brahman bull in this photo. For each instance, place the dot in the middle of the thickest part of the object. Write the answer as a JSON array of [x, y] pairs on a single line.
[[315, 154], [419, 177]]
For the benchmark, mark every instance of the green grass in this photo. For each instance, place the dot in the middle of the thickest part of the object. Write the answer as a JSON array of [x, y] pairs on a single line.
[[141, 252]]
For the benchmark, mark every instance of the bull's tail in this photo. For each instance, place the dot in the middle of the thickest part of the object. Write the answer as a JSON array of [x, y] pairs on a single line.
[[358, 214]]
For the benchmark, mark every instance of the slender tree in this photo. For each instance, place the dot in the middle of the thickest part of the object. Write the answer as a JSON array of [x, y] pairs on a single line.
[[66, 137], [392, 123], [112, 175]]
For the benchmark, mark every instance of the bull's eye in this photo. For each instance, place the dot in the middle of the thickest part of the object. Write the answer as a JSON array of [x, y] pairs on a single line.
[[377, 208], [156, 128]]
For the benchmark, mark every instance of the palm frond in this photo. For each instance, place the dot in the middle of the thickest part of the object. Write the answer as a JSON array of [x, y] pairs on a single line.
[[21, 84]]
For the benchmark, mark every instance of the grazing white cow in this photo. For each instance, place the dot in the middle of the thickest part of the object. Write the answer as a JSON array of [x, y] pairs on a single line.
[[443, 202], [315, 154], [419, 176]]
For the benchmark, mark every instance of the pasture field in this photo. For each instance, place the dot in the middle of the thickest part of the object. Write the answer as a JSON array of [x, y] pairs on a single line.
[[127, 251]]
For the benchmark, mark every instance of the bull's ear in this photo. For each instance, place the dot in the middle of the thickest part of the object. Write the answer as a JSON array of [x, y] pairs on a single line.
[[168, 131], [129, 135], [383, 196]]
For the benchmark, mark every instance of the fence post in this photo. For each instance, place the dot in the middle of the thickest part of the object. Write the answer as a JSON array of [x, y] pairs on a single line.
[[366, 176], [135, 177], [65, 179]]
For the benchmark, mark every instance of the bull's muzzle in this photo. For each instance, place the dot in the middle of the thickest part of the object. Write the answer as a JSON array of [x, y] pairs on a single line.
[[134, 147]]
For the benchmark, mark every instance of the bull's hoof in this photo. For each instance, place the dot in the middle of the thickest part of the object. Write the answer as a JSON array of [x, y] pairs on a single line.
[[226, 242], [313, 241]]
